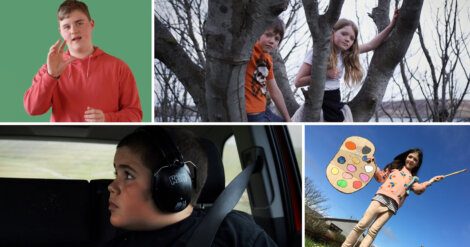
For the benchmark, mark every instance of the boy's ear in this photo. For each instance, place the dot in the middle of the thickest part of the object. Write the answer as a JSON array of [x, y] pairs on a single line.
[[92, 22]]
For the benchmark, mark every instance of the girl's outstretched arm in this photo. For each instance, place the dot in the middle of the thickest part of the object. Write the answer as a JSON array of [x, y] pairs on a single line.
[[420, 188], [377, 40], [435, 179], [303, 77]]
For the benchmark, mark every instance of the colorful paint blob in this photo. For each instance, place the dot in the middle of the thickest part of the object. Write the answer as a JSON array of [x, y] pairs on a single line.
[[368, 168], [364, 158], [347, 175], [341, 159], [350, 145], [334, 170], [364, 177], [366, 150], [357, 184], [355, 160], [342, 183], [351, 168]]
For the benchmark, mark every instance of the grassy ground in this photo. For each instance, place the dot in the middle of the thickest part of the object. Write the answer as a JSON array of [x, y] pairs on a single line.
[[232, 167], [56, 160], [310, 243]]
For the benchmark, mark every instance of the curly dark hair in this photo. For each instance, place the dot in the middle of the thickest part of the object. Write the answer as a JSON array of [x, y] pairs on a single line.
[[399, 161]]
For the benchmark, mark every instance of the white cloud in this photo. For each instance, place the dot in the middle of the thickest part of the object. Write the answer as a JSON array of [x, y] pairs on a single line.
[[388, 233]]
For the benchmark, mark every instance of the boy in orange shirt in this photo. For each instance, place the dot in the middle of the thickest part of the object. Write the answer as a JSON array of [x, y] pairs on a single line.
[[259, 78]]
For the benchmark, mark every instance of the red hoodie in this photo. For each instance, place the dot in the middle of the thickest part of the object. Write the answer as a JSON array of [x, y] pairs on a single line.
[[99, 81]]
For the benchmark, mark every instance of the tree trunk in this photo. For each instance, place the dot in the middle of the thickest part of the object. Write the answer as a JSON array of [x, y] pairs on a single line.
[[282, 80], [384, 61], [321, 27], [230, 32]]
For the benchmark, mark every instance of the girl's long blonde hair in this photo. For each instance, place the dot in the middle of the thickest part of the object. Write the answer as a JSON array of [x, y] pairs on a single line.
[[353, 74]]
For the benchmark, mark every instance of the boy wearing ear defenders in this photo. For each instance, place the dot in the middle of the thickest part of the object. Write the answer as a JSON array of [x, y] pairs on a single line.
[[84, 83], [158, 180]]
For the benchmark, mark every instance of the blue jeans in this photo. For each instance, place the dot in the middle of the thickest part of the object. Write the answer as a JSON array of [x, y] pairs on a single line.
[[266, 116]]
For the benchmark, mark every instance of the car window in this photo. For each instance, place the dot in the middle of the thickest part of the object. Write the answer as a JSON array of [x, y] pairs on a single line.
[[232, 164], [56, 159], [295, 132], [232, 167]]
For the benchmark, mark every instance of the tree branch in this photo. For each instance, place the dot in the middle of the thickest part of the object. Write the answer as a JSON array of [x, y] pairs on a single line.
[[381, 70], [169, 52]]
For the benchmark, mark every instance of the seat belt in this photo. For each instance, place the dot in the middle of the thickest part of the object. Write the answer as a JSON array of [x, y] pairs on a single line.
[[205, 232]]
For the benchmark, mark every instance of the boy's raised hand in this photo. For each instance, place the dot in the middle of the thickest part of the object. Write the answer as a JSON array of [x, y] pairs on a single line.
[[55, 61]]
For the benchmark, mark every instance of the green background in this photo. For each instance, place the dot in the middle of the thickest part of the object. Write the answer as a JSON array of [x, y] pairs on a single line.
[[29, 28]]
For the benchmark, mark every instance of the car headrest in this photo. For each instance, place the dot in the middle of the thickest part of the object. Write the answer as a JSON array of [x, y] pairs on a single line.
[[215, 182], [44, 212], [101, 231]]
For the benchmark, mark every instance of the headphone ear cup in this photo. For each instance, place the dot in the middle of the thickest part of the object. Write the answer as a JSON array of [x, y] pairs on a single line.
[[172, 188]]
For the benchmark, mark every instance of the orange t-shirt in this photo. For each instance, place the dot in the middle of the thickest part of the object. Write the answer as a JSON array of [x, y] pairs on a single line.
[[258, 72]]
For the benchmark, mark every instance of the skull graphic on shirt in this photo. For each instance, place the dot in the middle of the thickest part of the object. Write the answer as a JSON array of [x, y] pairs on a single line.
[[259, 77]]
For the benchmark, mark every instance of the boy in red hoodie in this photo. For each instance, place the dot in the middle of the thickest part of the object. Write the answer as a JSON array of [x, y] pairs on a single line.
[[84, 83]]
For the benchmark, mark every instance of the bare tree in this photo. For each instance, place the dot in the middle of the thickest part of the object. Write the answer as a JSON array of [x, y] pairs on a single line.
[[443, 95], [314, 199], [294, 38], [320, 27], [172, 101], [178, 47], [230, 31], [173, 37], [383, 62], [213, 71], [436, 91], [394, 49]]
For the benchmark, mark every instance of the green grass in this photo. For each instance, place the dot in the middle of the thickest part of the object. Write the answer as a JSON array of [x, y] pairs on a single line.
[[56, 160], [311, 243], [232, 167]]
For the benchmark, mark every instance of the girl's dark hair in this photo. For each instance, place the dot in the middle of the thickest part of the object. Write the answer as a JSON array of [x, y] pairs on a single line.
[[399, 161]]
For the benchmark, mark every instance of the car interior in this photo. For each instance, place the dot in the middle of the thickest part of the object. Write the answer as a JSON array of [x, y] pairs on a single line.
[[74, 212]]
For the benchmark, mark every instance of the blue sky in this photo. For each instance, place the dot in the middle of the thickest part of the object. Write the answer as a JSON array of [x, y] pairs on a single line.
[[439, 217]]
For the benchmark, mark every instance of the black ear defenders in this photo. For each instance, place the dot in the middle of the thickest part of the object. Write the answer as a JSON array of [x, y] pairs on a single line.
[[172, 184]]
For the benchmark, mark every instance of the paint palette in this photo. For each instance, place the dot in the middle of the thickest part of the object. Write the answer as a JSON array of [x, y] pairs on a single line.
[[349, 170]]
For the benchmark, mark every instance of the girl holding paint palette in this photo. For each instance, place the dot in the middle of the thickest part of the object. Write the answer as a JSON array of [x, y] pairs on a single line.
[[397, 178]]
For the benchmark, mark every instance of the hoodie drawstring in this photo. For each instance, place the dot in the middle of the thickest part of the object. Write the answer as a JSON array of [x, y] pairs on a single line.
[[88, 66], [70, 71]]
